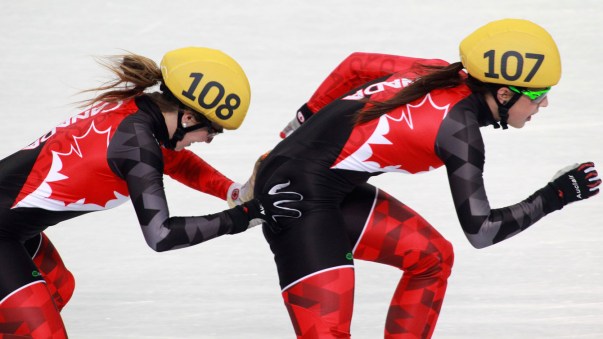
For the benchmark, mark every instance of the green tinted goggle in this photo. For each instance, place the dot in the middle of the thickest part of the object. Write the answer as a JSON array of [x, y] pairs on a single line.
[[536, 95]]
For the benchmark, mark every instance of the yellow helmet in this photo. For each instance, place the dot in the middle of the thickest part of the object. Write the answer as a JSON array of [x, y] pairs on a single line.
[[512, 52], [208, 81]]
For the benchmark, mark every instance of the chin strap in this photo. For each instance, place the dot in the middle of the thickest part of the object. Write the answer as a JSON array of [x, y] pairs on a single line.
[[503, 108], [181, 130]]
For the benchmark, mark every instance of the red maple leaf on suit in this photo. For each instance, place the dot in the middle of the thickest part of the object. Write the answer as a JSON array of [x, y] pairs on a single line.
[[80, 174], [402, 145]]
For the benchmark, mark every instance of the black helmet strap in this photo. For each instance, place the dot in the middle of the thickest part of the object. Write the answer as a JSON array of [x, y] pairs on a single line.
[[181, 130], [503, 108]]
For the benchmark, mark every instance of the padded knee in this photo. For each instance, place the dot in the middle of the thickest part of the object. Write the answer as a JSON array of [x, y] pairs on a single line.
[[59, 279]]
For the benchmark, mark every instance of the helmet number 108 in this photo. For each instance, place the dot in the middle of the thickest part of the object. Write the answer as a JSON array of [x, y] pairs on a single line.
[[223, 111], [510, 74]]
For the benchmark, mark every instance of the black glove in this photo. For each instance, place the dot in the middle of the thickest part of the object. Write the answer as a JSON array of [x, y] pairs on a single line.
[[266, 208], [303, 113], [240, 218], [576, 182], [274, 205]]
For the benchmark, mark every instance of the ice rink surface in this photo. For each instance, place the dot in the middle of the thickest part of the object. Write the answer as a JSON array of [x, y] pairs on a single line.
[[545, 283]]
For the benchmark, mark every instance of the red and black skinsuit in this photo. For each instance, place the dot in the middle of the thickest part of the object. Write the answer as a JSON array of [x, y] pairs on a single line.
[[329, 160], [96, 160]]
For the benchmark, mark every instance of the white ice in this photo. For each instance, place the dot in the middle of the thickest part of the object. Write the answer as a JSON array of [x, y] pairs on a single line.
[[545, 283]]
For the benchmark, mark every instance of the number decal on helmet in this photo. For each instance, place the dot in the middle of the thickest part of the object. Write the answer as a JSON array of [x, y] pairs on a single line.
[[205, 91], [505, 71], [209, 82], [189, 94], [512, 52], [229, 106], [208, 102]]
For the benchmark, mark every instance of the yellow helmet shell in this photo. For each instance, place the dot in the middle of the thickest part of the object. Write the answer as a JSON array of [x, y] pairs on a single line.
[[512, 52], [210, 82]]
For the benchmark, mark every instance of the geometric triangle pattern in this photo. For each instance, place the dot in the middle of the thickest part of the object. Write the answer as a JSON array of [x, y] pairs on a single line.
[[31, 313], [320, 305], [396, 235], [137, 157], [460, 145], [58, 278]]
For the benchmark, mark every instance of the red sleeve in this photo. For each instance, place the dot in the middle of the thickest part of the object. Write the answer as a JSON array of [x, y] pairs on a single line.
[[359, 68], [189, 169]]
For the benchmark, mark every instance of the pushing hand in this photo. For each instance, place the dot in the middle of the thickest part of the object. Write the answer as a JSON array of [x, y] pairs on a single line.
[[274, 205], [237, 193]]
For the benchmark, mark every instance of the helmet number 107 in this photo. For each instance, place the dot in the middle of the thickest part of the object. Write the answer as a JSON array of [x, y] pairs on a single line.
[[223, 111], [505, 72]]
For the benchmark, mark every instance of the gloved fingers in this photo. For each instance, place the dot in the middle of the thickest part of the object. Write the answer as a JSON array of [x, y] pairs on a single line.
[[586, 167], [240, 193], [591, 175], [302, 115], [255, 222], [247, 191], [565, 170], [233, 196], [594, 182], [291, 126]]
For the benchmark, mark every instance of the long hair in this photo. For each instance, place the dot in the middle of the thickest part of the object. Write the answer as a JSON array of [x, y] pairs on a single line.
[[436, 77], [133, 75]]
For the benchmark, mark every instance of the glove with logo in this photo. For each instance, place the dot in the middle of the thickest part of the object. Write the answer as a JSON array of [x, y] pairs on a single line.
[[303, 113], [576, 182], [238, 194], [266, 209]]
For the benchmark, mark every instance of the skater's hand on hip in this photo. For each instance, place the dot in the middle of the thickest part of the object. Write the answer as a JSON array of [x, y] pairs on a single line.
[[241, 193]]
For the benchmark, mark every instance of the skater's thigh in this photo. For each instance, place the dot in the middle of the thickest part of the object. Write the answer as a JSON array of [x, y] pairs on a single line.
[[16, 267]]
